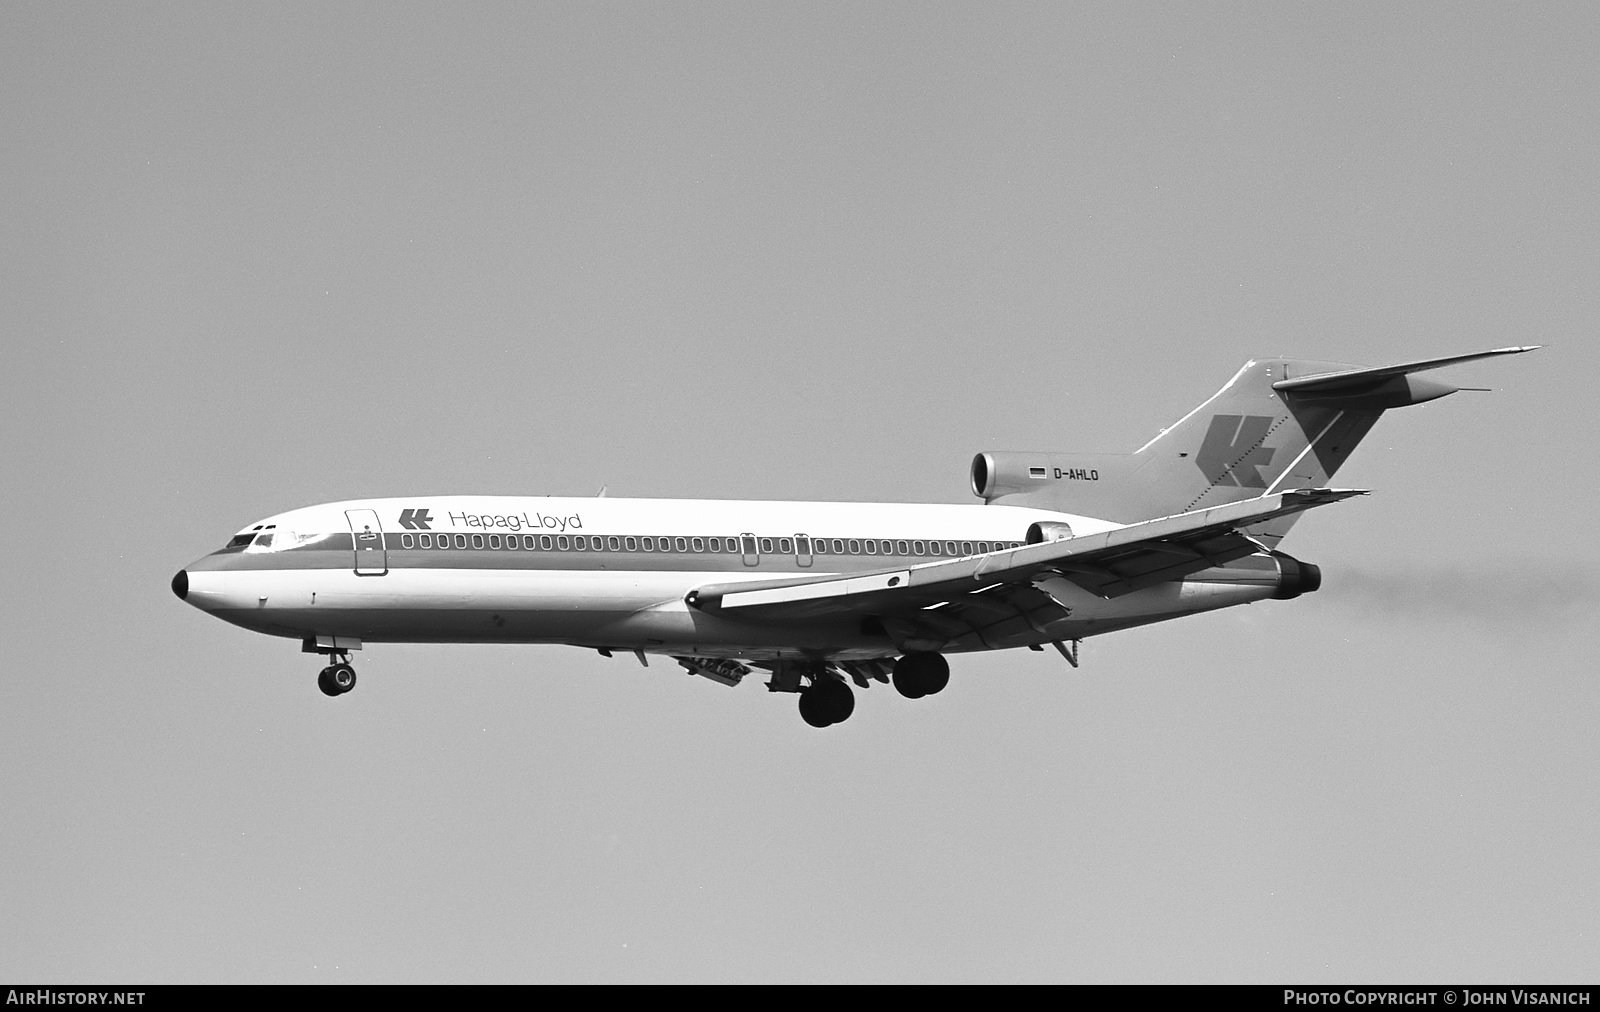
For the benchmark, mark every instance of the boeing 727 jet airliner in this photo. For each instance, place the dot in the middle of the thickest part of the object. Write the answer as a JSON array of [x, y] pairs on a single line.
[[820, 595]]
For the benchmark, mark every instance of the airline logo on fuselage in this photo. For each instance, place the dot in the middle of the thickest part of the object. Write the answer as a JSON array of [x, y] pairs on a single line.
[[516, 521], [420, 520], [415, 520]]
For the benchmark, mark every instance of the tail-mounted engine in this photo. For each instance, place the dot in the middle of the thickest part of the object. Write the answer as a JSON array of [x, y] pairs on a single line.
[[1295, 577], [1089, 483], [1048, 530], [1005, 472]]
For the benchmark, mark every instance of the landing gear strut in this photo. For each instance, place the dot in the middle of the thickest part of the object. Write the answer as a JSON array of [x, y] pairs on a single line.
[[919, 674], [337, 679]]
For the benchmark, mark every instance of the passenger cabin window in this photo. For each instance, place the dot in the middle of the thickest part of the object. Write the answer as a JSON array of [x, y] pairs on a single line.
[[494, 541], [405, 541]]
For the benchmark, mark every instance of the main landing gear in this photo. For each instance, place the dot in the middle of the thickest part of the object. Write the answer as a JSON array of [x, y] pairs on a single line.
[[826, 698], [918, 675], [338, 678], [826, 701]]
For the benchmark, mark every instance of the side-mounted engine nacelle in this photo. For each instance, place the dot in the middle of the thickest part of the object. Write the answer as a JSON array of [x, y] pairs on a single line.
[[1090, 484], [1047, 530], [1013, 472]]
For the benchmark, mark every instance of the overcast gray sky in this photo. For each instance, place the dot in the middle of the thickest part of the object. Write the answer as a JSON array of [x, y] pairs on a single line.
[[257, 257]]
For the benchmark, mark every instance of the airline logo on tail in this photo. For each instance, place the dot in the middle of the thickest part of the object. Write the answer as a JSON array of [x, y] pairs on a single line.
[[1232, 450]]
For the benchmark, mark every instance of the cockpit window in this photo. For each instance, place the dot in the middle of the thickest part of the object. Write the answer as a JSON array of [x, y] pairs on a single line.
[[279, 540], [265, 539], [245, 537]]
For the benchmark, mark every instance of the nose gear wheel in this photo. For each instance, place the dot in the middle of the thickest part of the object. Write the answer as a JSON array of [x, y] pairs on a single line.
[[337, 679]]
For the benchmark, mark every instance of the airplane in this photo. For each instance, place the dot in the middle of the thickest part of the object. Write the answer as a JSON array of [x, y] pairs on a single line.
[[823, 595]]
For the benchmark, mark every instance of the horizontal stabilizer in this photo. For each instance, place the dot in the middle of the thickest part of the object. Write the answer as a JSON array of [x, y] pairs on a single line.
[[1333, 383]]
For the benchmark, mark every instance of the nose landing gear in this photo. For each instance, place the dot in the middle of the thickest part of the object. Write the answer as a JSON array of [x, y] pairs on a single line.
[[337, 679]]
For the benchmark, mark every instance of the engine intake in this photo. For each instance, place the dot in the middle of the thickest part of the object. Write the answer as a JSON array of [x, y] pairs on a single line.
[[1091, 481], [1048, 530]]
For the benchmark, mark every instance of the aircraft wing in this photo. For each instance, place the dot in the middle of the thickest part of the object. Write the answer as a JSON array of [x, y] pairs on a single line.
[[1108, 564]]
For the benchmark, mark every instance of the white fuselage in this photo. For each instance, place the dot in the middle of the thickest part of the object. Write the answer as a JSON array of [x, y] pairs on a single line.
[[614, 573]]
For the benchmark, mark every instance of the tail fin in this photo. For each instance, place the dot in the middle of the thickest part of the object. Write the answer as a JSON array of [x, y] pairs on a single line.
[[1278, 424]]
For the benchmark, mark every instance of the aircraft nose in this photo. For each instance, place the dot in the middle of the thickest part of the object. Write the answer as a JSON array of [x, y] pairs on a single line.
[[180, 584]]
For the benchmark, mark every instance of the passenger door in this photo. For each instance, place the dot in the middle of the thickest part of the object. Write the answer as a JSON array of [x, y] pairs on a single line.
[[371, 558]]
